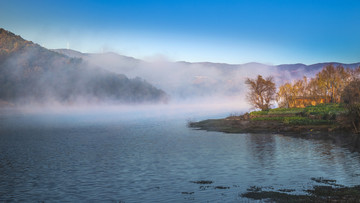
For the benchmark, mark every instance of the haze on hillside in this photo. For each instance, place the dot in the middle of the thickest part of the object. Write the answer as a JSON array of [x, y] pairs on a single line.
[[186, 81], [33, 75], [161, 53]]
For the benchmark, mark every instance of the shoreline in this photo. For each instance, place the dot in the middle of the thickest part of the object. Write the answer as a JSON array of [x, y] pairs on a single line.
[[238, 125]]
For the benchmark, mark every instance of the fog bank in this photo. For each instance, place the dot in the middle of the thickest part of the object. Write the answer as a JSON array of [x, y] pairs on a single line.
[[190, 110]]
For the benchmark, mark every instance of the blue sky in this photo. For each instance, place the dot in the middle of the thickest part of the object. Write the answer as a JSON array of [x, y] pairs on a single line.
[[272, 32]]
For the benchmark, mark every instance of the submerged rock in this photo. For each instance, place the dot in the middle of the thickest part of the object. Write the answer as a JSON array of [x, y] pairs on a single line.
[[202, 182]]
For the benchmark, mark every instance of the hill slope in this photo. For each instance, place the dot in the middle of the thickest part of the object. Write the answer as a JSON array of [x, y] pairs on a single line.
[[31, 73]]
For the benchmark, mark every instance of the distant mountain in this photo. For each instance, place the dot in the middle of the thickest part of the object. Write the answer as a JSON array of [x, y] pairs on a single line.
[[120, 62], [313, 68], [70, 53], [109, 60], [185, 80], [31, 73]]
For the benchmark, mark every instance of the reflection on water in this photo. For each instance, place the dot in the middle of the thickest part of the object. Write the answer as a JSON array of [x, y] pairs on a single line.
[[113, 158], [262, 148]]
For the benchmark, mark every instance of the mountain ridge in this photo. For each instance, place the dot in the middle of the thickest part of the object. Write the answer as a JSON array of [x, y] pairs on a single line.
[[352, 65], [30, 73], [184, 80], [180, 80]]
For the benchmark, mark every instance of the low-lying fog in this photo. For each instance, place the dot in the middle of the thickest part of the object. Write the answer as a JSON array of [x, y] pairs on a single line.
[[186, 110], [184, 80], [44, 81]]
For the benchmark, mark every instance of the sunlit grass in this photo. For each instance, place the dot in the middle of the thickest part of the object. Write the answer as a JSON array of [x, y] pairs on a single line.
[[311, 115]]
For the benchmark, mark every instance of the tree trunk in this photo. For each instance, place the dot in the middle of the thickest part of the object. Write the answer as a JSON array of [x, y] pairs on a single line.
[[356, 130]]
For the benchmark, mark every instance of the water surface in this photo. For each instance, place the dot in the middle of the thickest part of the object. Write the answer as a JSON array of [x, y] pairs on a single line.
[[116, 157]]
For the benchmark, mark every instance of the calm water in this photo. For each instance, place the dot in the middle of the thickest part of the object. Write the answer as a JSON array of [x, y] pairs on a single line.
[[114, 157]]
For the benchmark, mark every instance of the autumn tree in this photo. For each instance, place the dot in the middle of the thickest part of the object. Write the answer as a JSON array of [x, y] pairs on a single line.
[[332, 80], [313, 89], [354, 73], [262, 92], [287, 94], [284, 95], [351, 98], [327, 86]]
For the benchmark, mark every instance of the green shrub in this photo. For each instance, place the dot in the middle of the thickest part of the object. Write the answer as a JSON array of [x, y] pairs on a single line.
[[257, 113], [324, 114], [325, 110], [268, 119], [278, 111], [294, 120], [286, 110], [305, 121]]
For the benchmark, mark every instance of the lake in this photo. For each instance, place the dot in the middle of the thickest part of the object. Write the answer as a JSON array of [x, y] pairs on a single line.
[[152, 156]]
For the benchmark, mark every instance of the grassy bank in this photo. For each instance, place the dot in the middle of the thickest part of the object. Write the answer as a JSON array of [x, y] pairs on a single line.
[[312, 119], [324, 121], [322, 114]]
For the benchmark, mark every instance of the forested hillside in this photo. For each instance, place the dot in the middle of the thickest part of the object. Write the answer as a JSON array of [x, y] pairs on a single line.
[[30, 73]]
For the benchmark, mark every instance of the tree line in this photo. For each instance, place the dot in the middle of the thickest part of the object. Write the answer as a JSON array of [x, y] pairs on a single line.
[[331, 85], [326, 87]]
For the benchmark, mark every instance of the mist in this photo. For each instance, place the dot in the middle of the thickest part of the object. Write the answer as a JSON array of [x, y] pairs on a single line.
[[185, 81], [31, 74], [33, 78]]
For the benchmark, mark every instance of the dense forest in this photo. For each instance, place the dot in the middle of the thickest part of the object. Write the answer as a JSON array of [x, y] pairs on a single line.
[[30, 73]]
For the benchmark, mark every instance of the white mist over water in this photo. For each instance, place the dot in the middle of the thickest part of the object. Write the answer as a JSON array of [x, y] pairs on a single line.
[[190, 109]]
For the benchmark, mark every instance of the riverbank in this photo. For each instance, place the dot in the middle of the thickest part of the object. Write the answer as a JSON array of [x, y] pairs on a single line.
[[325, 121]]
